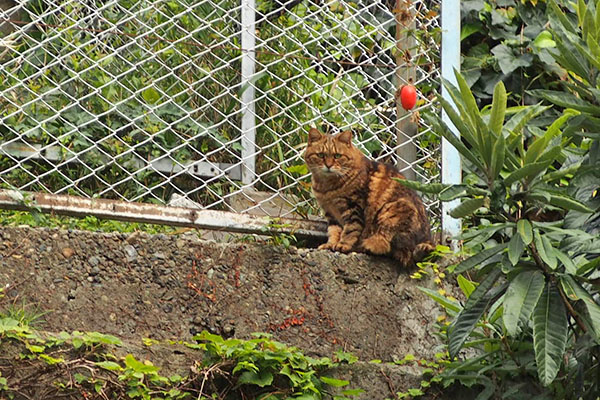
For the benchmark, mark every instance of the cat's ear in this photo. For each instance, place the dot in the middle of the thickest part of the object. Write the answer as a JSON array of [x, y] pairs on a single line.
[[314, 135], [345, 137]]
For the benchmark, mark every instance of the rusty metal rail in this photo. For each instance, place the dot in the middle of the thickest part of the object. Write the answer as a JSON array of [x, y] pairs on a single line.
[[157, 214]]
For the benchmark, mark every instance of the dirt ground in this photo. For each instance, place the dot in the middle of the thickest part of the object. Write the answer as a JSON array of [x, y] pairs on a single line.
[[173, 286]]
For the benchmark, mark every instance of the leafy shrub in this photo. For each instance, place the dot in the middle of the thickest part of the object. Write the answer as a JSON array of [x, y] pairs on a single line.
[[506, 41], [531, 322]]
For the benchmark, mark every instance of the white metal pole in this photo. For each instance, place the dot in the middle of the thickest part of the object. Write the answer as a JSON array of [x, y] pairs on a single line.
[[247, 98], [451, 166]]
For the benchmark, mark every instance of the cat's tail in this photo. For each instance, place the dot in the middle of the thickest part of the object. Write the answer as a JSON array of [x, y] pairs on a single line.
[[422, 250], [409, 258]]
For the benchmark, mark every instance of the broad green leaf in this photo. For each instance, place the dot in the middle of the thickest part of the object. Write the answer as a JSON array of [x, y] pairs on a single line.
[[549, 333], [478, 258], [453, 192], [433, 188], [498, 155], [454, 140], [566, 261], [476, 305], [535, 150], [442, 300], [468, 99], [467, 207], [520, 119], [544, 40], [554, 129], [568, 203], [353, 392], [525, 230], [459, 121], [561, 173], [550, 155], [589, 266], [562, 18], [465, 285], [521, 297], [151, 95], [334, 382], [515, 249], [109, 365], [262, 378], [481, 130], [527, 172], [544, 249], [576, 292], [498, 109], [566, 100]]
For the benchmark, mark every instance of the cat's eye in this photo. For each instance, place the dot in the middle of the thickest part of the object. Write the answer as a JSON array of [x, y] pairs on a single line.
[[321, 155], [337, 155]]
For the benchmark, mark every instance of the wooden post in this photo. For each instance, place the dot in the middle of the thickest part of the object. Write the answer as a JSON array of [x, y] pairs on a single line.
[[406, 129]]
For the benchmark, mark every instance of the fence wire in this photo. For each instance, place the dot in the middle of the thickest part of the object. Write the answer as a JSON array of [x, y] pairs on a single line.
[[206, 103]]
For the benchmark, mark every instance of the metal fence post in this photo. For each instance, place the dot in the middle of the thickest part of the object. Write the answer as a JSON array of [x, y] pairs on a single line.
[[451, 166], [248, 123], [406, 129]]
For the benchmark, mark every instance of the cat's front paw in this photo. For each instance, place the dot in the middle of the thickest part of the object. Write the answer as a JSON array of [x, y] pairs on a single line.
[[343, 247], [327, 246], [376, 244]]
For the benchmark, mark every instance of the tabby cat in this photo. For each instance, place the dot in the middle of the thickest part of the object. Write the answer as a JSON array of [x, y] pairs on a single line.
[[367, 211]]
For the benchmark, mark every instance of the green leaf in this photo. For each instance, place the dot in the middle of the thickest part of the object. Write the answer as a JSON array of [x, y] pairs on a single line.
[[468, 99], [109, 365], [498, 155], [478, 258], [453, 192], [520, 119], [544, 40], [476, 305], [151, 95], [334, 382], [527, 172], [561, 173], [525, 230], [137, 366], [458, 118], [566, 100], [549, 333], [535, 150], [562, 18], [455, 141], [353, 392], [465, 285], [589, 266], [576, 292], [544, 249], [467, 207], [566, 261], [521, 297], [515, 249], [261, 378], [498, 109], [442, 300], [568, 203]]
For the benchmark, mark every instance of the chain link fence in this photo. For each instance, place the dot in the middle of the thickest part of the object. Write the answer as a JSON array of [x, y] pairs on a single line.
[[207, 103]]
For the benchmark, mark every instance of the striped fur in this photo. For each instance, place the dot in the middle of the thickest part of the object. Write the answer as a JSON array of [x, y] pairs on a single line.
[[366, 209]]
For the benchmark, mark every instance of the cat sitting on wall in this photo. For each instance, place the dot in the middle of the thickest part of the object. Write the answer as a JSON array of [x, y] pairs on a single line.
[[367, 210]]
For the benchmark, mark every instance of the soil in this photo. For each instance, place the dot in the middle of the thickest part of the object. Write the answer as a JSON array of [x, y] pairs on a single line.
[[174, 286]]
